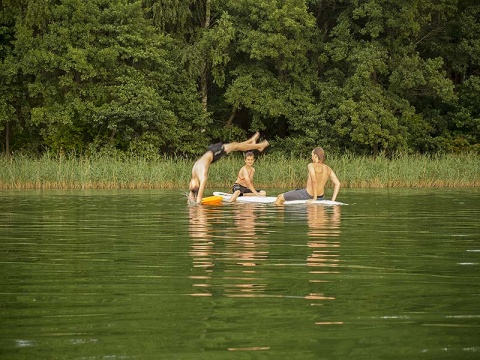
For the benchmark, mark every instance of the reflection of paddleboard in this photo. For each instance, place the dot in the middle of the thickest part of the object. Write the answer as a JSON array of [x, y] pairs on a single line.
[[216, 199], [271, 199]]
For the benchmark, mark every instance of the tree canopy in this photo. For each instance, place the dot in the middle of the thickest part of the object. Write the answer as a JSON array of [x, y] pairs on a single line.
[[170, 76]]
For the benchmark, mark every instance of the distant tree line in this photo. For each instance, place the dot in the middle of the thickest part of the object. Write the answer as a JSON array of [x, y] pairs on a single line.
[[170, 76]]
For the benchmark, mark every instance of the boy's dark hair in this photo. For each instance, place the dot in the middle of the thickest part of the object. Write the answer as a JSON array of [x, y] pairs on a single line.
[[248, 153]]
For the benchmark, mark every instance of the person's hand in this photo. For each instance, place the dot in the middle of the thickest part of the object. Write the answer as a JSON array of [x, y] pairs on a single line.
[[310, 201]]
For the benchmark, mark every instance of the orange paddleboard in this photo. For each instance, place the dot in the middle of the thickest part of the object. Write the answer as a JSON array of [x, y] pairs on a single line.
[[215, 199]]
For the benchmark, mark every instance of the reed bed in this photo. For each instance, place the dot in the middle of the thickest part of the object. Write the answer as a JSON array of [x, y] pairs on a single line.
[[273, 171]]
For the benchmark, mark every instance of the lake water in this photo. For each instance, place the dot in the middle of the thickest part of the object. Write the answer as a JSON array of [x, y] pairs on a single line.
[[140, 275]]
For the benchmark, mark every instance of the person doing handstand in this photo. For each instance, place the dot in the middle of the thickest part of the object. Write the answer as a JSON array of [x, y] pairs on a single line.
[[215, 152], [244, 183], [318, 175]]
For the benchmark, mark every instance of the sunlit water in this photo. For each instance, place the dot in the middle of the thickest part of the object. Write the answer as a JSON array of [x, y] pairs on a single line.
[[141, 275]]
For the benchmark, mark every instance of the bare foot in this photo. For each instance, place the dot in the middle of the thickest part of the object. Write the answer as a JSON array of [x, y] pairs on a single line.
[[235, 195], [279, 200], [254, 138], [263, 145]]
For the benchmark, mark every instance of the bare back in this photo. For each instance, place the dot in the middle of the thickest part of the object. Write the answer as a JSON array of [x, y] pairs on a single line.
[[318, 173]]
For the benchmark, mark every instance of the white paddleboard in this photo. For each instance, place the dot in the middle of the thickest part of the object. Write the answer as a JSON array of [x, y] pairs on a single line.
[[271, 199]]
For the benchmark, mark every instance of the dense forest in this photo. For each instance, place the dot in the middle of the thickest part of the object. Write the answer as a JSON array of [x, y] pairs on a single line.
[[170, 76]]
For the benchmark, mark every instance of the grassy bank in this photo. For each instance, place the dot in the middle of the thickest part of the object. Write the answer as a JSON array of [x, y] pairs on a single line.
[[272, 172]]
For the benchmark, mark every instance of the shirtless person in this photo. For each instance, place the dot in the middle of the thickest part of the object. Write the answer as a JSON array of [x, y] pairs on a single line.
[[244, 183], [215, 152], [318, 175]]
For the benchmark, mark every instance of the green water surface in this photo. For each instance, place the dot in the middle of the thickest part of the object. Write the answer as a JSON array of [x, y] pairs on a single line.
[[138, 274]]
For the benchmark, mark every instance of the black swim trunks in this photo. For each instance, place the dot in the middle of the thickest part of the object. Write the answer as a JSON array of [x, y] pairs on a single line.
[[217, 150], [243, 189]]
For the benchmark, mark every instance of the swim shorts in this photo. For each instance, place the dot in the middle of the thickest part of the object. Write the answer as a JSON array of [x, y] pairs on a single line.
[[243, 189], [299, 194], [217, 150]]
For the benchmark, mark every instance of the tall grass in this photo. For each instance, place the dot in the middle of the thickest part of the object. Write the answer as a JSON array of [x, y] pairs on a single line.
[[449, 170], [273, 171]]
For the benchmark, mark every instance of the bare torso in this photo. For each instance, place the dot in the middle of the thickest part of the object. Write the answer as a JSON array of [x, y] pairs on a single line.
[[322, 174], [200, 176], [244, 174]]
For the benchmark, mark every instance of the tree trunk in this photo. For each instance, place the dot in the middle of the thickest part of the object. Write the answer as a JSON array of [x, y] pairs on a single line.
[[7, 139], [112, 136], [232, 116], [203, 75], [203, 87]]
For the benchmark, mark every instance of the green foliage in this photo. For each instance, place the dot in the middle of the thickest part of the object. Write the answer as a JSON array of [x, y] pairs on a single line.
[[378, 75], [271, 78], [157, 77], [98, 71]]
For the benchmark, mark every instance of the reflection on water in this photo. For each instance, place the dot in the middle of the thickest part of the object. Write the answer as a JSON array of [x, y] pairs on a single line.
[[323, 233], [202, 247], [232, 253], [246, 251], [230, 244], [139, 274]]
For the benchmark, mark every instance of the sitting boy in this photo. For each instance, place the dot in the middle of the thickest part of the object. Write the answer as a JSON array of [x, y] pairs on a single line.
[[244, 183], [318, 175]]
